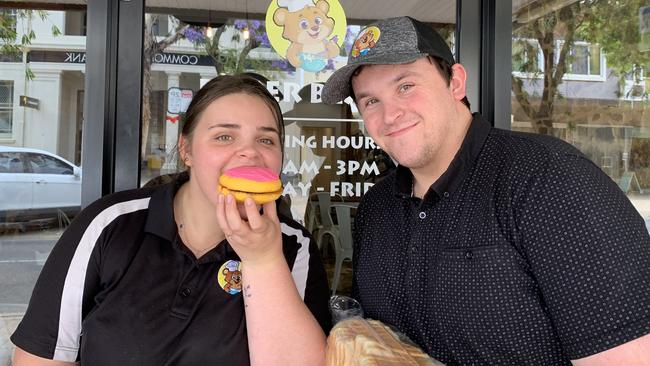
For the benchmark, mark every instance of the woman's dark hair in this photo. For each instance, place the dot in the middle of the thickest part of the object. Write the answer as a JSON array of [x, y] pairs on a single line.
[[223, 85]]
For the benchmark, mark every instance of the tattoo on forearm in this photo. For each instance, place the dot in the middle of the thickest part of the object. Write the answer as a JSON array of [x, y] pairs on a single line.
[[247, 293]]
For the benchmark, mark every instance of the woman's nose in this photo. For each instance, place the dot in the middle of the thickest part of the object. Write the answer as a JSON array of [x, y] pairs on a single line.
[[248, 150]]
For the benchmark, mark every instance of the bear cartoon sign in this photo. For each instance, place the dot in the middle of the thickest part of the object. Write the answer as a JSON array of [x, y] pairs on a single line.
[[306, 33]]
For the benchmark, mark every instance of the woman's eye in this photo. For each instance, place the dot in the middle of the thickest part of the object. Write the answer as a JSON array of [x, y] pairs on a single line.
[[223, 138], [405, 87], [267, 141]]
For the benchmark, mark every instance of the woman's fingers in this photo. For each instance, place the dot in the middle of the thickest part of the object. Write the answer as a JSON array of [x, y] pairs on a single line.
[[221, 215], [255, 221], [232, 215], [270, 211]]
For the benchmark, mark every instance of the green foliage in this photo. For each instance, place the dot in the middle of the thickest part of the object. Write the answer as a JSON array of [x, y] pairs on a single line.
[[9, 44]]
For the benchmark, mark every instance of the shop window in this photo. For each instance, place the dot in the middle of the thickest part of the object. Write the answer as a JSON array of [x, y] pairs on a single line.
[[6, 106]]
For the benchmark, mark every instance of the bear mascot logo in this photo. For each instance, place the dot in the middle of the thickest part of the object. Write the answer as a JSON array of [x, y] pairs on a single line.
[[307, 27]]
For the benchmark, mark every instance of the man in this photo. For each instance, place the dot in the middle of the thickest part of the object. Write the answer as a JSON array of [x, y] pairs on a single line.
[[487, 246]]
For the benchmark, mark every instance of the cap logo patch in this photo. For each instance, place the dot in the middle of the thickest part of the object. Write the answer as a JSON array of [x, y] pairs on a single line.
[[229, 277], [366, 40]]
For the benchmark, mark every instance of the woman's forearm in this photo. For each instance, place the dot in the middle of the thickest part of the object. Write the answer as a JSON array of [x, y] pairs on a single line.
[[281, 329]]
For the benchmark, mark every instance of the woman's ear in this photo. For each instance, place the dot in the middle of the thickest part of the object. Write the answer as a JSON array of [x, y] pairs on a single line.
[[457, 82], [184, 151]]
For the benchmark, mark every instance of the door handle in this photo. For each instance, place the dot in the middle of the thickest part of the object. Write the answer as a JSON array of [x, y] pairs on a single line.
[[40, 182]]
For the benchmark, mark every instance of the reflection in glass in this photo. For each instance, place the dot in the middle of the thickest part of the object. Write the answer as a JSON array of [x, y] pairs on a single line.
[[588, 87], [41, 114]]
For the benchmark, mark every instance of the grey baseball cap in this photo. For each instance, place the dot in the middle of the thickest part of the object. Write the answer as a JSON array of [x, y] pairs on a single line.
[[389, 41]]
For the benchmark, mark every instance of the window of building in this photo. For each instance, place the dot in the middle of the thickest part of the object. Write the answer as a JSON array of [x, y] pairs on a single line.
[[585, 62], [526, 56], [8, 17], [6, 106]]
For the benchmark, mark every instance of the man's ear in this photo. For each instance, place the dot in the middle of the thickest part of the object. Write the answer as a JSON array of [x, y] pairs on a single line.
[[457, 82]]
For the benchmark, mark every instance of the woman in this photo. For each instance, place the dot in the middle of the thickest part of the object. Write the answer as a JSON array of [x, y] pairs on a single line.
[[179, 274]]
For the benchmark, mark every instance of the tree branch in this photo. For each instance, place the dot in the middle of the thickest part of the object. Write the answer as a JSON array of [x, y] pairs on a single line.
[[522, 97]]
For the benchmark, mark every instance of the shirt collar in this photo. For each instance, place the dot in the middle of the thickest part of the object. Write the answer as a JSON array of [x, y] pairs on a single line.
[[160, 219], [464, 160]]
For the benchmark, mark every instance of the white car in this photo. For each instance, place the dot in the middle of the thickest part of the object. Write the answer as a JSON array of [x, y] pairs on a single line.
[[35, 182]]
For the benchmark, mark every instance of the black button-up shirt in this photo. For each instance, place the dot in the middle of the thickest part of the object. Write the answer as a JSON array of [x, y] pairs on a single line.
[[522, 253]]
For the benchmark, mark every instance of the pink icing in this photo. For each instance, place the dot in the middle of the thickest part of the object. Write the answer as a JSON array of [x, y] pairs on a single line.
[[255, 173]]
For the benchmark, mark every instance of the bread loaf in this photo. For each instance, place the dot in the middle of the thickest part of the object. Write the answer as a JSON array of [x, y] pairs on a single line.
[[365, 342]]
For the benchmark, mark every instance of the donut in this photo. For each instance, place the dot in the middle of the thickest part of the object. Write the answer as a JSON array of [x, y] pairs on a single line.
[[261, 184]]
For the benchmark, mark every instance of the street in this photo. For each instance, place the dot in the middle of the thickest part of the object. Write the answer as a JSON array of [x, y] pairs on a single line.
[[21, 259]]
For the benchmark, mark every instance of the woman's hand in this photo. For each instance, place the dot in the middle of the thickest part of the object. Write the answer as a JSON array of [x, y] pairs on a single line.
[[256, 239]]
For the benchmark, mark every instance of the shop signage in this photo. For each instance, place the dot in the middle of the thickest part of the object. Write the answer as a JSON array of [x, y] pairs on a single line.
[[308, 33], [74, 57], [66, 57], [28, 102], [178, 100], [338, 167]]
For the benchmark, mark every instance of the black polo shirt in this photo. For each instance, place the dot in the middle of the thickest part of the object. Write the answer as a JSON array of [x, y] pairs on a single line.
[[523, 253], [120, 288]]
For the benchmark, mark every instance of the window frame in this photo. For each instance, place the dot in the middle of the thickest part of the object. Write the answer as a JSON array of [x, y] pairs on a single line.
[[9, 107], [569, 76]]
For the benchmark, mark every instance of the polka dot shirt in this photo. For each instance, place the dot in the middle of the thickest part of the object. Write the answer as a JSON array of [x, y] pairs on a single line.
[[523, 253]]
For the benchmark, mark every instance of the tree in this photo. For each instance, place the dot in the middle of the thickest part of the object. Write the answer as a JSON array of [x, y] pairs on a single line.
[[232, 56], [615, 28], [612, 24], [151, 47], [9, 33], [545, 30]]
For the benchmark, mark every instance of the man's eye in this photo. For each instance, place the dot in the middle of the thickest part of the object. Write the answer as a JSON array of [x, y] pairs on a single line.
[[370, 101], [405, 87]]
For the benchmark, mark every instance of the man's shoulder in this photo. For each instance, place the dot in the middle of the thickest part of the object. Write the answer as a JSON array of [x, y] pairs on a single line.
[[526, 143]]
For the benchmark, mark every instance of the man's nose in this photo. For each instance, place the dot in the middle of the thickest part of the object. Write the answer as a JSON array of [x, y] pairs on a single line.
[[393, 111]]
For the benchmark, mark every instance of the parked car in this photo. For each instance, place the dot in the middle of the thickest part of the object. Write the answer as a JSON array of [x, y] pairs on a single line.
[[35, 183]]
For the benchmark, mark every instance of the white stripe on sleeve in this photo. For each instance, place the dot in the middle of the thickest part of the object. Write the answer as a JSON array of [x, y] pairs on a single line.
[[301, 265], [67, 343]]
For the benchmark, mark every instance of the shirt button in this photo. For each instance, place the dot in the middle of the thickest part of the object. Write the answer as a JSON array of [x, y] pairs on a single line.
[[423, 215], [186, 292], [469, 255], [446, 194]]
